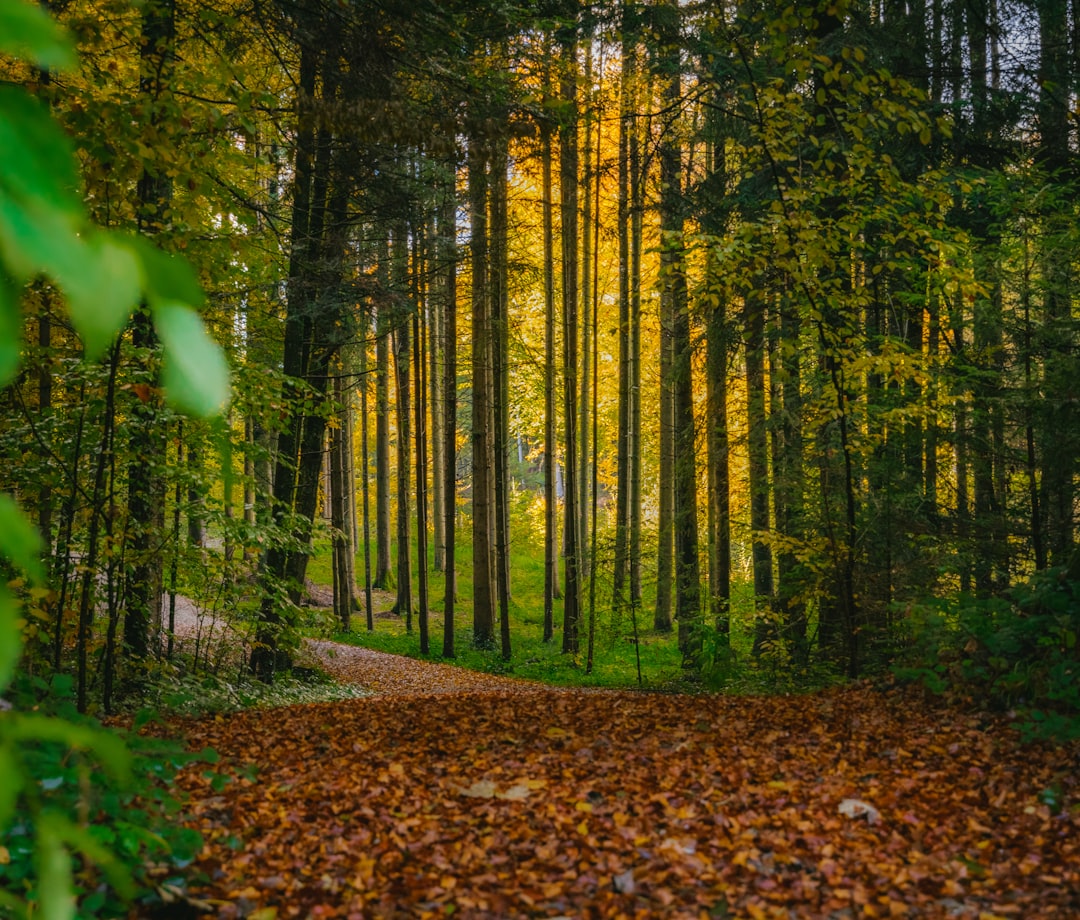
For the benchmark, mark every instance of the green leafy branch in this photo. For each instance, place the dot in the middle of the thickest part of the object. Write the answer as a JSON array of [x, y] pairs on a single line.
[[45, 236]]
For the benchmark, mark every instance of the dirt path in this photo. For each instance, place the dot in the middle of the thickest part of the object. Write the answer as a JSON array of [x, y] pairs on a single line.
[[385, 673], [456, 794]]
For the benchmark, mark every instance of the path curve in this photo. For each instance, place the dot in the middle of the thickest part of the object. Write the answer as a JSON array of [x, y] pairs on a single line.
[[385, 673]]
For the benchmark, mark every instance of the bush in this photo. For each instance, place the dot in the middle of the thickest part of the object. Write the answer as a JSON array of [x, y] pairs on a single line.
[[1019, 652], [104, 794]]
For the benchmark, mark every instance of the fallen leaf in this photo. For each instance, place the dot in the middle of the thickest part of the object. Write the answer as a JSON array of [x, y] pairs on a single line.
[[854, 808]]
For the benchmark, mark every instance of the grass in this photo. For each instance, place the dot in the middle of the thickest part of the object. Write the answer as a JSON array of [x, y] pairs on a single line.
[[617, 643], [614, 658]]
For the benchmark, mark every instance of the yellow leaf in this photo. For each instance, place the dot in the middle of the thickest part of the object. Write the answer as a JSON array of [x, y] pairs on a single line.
[[481, 789], [583, 806], [514, 794], [583, 828]]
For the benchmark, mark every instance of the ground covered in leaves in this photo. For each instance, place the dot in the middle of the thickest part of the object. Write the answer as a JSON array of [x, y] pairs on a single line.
[[454, 794]]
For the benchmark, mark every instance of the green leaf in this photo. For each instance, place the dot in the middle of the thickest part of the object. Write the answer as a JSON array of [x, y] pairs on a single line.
[[39, 160], [195, 373], [10, 642], [19, 540], [83, 841], [10, 778], [56, 897], [10, 332], [101, 300], [27, 31], [108, 748], [168, 279], [37, 238]]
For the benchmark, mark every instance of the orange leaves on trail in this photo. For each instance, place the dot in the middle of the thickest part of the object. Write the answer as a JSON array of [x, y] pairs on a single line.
[[385, 673], [522, 801]]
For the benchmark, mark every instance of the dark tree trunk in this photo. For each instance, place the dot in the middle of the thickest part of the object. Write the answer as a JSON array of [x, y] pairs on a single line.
[[568, 193], [146, 484]]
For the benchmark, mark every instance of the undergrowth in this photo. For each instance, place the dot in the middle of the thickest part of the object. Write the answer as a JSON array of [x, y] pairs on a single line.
[[174, 691], [1018, 652]]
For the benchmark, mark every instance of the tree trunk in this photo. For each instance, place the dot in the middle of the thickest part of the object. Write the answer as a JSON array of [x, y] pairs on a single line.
[[448, 263], [551, 517], [343, 549], [482, 459], [146, 485], [624, 451], [500, 322], [568, 206], [384, 577], [403, 605], [677, 307]]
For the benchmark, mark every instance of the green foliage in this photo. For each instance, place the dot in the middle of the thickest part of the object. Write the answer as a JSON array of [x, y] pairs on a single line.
[[1019, 652], [777, 668], [74, 787], [68, 786], [195, 695]]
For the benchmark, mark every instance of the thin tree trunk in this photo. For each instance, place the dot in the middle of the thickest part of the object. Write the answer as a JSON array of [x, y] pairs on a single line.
[[757, 447], [482, 466], [447, 239], [365, 481], [551, 526], [621, 568], [421, 486], [146, 487], [568, 173], [585, 236], [403, 605], [674, 291], [499, 391], [384, 577]]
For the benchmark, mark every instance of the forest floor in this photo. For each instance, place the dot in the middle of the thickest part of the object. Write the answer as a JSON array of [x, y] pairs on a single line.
[[454, 793]]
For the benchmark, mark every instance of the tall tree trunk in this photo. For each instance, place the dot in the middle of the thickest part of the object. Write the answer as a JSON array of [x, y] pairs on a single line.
[[365, 480], [758, 466], [448, 264], [568, 208], [484, 586], [448, 259], [500, 304], [624, 451], [716, 377], [585, 285], [343, 548], [637, 218], [421, 484], [436, 308], [551, 525], [403, 604], [674, 292], [312, 334], [384, 577], [1060, 442], [146, 485]]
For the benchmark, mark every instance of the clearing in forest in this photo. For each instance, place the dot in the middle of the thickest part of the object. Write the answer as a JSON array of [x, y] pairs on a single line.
[[448, 793]]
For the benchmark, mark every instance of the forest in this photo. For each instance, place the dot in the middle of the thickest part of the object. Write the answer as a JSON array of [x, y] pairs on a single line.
[[670, 344]]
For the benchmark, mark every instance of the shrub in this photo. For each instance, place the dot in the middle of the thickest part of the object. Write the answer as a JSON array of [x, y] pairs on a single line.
[[1017, 652]]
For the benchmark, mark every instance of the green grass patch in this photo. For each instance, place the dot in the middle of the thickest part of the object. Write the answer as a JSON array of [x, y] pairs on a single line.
[[619, 641]]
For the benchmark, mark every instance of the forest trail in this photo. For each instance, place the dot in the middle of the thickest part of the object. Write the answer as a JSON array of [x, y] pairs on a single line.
[[454, 794], [384, 673]]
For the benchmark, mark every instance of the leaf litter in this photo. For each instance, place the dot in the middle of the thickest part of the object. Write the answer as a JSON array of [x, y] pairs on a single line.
[[450, 793]]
